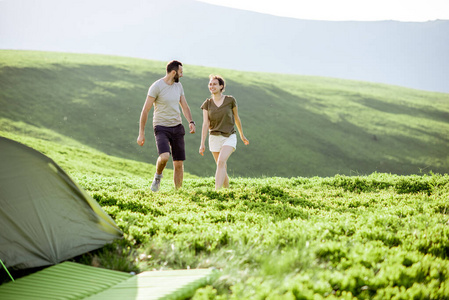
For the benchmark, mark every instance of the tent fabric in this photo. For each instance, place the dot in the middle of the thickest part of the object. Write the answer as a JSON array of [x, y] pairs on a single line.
[[45, 217]]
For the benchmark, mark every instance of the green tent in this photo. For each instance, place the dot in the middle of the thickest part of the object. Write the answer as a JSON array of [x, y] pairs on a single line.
[[45, 217]]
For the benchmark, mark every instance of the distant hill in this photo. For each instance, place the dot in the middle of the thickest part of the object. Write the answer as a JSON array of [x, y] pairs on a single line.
[[297, 125], [409, 54]]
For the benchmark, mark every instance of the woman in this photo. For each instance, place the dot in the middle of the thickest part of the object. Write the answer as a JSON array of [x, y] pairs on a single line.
[[219, 116]]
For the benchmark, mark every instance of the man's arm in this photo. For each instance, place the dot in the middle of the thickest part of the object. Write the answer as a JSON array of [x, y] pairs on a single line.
[[186, 112], [143, 119]]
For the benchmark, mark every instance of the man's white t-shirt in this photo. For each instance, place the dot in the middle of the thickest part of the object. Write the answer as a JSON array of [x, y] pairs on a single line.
[[166, 106]]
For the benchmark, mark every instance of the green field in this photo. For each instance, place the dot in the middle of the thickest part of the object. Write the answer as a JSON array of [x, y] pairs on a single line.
[[294, 224], [297, 125], [380, 236]]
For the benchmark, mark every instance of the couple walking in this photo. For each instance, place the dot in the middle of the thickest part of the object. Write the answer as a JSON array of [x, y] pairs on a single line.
[[220, 114]]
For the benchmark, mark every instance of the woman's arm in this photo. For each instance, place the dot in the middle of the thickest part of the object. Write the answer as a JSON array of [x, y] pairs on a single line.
[[204, 131], [238, 123]]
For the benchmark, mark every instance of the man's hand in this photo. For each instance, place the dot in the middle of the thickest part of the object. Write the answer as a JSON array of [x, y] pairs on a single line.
[[192, 128], [141, 140]]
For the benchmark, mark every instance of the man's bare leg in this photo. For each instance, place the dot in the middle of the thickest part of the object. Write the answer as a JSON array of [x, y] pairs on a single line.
[[162, 162], [160, 166], [178, 173]]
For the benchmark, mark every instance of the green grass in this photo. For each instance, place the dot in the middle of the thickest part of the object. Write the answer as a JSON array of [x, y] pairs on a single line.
[[297, 125], [279, 232], [379, 236]]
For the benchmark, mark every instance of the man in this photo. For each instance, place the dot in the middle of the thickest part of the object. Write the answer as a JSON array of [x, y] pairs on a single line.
[[167, 94]]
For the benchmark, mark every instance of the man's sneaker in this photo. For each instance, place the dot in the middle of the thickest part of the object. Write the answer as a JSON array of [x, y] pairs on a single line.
[[156, 183]]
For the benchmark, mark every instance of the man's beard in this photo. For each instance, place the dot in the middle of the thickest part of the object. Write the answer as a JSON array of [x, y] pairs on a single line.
[[176, 77]]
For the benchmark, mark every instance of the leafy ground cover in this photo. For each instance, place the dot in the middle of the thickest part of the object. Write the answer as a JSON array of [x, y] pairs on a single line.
[[374, 237], [380, 236]]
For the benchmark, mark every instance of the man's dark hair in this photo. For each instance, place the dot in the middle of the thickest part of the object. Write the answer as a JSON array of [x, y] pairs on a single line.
[[173, 66]]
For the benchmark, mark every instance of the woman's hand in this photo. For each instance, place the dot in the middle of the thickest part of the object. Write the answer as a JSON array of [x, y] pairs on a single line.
[[244, 139], [202, 148]]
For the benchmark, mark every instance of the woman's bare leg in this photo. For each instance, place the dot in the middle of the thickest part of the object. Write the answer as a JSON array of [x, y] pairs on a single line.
[[221, 175]]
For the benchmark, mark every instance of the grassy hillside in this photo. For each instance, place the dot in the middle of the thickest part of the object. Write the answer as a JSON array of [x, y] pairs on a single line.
[[371, 237], [297, 125]]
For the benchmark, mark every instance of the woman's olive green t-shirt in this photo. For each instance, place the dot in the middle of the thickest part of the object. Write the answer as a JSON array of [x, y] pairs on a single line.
[[221, 119]]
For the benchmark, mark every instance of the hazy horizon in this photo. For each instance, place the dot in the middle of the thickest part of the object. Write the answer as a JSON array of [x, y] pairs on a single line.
[[409, 54]]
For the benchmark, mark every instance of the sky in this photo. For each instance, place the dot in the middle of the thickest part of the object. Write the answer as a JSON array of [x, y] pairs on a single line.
[[346, 10]]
